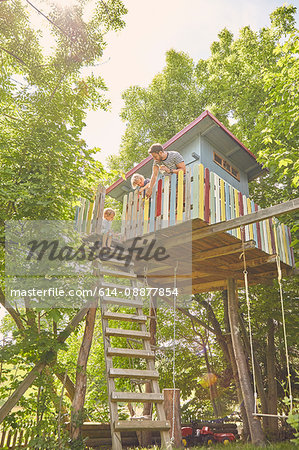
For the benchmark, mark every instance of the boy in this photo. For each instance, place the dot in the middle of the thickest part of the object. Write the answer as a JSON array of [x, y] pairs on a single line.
[[139, 180], [108, 216]]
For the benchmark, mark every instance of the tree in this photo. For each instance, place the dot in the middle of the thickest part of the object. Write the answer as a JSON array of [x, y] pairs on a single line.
[[278, 123], [235, 84], [45, 166], [238, 84]]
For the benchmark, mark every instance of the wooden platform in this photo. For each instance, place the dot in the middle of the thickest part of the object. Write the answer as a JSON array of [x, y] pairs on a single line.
[[206, 263], [99, 436]]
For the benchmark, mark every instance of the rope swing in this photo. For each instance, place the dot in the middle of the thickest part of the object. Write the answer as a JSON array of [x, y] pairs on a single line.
[[174, 349], [279, 278]]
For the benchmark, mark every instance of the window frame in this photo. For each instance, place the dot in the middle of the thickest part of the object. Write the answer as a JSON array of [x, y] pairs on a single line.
[[224, 161]]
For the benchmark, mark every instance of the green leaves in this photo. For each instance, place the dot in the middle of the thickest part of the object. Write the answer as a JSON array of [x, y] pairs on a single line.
[[45, 165], [279, 118]]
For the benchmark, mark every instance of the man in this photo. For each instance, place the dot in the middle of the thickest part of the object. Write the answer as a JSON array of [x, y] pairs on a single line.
[[166, 162]]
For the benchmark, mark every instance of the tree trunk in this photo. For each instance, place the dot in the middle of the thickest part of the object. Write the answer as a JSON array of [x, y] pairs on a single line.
[[246, 432], [258, 374], [77, 416], [217, 329], [173, 414], [256, 432], [272, 383], [37, 369]]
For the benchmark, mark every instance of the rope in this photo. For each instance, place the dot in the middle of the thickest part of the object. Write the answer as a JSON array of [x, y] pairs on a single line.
[[279, 277], [174, 353], [249, 320]]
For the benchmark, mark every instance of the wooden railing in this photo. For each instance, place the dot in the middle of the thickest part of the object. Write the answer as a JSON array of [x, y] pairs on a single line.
[[201, 194], [15, 438], [88, 216]]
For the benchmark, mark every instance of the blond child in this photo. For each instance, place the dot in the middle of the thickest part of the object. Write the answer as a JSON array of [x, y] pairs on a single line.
[[139, 181], [108, 216]]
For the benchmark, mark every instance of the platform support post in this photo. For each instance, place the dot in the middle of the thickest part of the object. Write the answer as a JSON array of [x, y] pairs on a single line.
[[169, 409], [256, 432]]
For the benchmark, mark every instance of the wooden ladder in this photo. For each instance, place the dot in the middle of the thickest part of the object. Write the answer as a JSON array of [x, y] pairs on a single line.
[[117, 270]]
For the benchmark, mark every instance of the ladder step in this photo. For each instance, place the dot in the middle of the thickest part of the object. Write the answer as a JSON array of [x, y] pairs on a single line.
[[124, 317], [118, 287], [141, 424], [120, 332], [130, 353], [122, 302], [116, 273], [116, 262], [134, 373], [136, 397]]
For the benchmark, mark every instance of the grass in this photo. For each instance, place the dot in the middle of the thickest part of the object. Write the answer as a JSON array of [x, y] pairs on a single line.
[[285, 445]]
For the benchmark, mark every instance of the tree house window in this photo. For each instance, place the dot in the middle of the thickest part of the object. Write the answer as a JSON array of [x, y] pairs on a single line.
[[226, 166]]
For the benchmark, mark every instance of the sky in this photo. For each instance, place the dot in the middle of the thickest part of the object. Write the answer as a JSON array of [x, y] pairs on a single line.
[[137, 53]]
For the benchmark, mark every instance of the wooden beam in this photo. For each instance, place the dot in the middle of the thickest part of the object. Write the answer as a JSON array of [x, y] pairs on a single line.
[[210, 285], [222, 251], [267, 213], [254, 262], [202, 272]]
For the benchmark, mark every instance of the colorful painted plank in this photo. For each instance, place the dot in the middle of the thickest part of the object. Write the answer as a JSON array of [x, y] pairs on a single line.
[[222, 201], [285, 245], [188, 194], [207, 215], [241, 210], [232, 207], [77, 212], [279, 241], [152, 217], [146, 215], [268, 234], [159, 205], [201, 204], [130, 214], [165, 217], [264, 227], [180, 199], [227, 202], [291, 248], [172, 212], [274, 250], [159, 198], [247, 237], [250, 226], [96, 210], [124, 217], [195, 210], [258, 231], [140, 215], [237, 206], [134, 213], [217, 198], [89, 217], [80, 218], [276, 237], [212, 198]]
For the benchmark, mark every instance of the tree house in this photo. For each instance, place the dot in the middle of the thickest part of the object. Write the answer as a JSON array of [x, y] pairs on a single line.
[[206, 223], [214, 190]]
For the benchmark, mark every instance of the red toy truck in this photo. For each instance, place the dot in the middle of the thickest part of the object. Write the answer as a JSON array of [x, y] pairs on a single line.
[[205, 436]]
